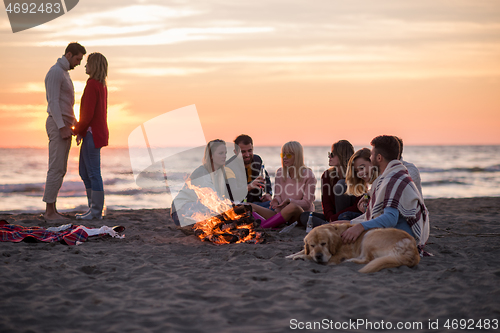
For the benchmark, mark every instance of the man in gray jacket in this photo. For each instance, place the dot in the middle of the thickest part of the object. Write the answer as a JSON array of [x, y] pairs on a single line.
[[60, 98]]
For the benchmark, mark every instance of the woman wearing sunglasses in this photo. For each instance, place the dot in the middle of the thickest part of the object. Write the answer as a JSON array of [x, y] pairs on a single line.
[[334, 199], [295, 185], [333, 187]]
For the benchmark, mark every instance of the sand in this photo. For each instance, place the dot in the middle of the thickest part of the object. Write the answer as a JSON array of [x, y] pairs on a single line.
[[158, 279]]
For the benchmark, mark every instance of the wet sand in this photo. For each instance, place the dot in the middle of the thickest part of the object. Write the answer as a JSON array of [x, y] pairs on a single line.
[[157, 279]]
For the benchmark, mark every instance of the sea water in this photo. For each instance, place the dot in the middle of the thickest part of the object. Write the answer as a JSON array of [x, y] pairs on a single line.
[[446, 172]]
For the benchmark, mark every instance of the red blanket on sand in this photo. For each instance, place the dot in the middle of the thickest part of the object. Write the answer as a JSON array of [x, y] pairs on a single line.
[[17, 233]]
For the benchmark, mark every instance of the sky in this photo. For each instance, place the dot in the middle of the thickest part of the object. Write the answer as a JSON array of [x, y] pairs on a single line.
[[311, 71]]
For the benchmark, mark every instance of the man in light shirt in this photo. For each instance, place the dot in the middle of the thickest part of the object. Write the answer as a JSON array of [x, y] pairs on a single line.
[[60, 95]]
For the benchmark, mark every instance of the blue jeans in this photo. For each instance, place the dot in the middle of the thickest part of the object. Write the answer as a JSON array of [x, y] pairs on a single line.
[[265, 204], [90, 164], [349, 215]]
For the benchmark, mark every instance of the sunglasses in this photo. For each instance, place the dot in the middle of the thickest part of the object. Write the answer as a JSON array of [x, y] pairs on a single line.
[[287, 155], [330, 154]]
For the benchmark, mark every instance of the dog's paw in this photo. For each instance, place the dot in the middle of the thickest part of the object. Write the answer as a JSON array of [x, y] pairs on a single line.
[[295, 256], [300, 257]]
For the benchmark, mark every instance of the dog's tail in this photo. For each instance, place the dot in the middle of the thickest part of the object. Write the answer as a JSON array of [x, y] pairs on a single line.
[[380, 263], [404, 253]]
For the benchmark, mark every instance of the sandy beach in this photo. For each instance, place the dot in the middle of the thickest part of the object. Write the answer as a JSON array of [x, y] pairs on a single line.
[[158, 279]]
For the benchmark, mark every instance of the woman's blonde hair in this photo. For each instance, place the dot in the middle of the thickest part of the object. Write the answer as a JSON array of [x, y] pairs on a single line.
[[216, 175], [98, 67], [208, 161], [298, 168], [355, 185]]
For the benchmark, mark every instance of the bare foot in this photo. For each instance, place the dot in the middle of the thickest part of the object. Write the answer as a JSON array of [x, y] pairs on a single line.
[[54, 216]]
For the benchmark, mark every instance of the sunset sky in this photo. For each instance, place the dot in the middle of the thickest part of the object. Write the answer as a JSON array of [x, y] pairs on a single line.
[[312, 71]]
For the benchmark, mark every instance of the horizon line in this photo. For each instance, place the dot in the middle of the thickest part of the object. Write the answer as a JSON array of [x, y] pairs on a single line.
[[274, 146]]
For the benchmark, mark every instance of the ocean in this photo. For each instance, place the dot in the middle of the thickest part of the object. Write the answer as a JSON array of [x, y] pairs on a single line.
[[446, 172]]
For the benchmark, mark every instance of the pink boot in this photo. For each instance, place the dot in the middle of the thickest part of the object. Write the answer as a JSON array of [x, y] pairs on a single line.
[[273, 221], [257, 216]]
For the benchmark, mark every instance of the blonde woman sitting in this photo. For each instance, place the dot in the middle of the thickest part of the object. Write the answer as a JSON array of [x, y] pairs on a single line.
[[212, 174], [295, 185]]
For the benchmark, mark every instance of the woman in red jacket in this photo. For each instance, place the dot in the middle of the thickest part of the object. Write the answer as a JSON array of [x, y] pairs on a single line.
[[93, 128]]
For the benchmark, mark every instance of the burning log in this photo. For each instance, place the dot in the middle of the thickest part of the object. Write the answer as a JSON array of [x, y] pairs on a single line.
[[236, 225], [227, 223], [222, 238]]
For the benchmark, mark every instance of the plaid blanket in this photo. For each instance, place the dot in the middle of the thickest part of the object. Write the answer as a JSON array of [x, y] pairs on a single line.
[[395, 188], [16, 233], [67, 234]]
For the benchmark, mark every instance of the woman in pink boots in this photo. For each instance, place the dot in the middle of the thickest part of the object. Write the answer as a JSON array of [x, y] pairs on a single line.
[[295, 185]]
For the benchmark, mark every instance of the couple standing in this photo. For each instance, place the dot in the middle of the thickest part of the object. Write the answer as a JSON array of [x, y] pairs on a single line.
[[61, 125]]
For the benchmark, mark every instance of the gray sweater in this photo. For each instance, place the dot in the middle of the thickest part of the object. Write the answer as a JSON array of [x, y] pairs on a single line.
[[60, 93]]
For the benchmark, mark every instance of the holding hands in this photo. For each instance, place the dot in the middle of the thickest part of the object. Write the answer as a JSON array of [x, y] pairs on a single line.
[[65, 132], [79, 138]]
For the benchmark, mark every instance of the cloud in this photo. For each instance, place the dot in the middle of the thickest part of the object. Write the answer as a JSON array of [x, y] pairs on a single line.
[[135, 14], [39, 87], [164, 37], [141, 25], [121, 114], [163, 71], [22, 110], [29, 87], [24, 117]]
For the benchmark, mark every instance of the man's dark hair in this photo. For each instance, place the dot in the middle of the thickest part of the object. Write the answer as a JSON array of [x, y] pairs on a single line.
[[400, 147], [387, 146], [75, 49], [243, 138]]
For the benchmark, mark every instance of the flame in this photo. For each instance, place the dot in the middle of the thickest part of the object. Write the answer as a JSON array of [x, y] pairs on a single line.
[[222, 226], [210, 199]]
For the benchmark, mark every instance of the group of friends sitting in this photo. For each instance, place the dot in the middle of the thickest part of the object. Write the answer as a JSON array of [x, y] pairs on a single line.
[[370, 188]]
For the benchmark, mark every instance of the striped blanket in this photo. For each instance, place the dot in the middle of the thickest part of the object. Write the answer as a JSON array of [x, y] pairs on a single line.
[[395, 188]]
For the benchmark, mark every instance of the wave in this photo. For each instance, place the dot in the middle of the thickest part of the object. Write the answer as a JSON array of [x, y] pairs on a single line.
[[493, 168], [443, 182], [77, 189]]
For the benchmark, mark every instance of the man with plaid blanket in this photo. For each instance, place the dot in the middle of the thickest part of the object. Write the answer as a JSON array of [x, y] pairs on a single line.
[[395, 201]]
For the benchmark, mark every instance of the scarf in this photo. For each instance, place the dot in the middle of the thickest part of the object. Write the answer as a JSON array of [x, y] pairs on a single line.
[[395, 189]]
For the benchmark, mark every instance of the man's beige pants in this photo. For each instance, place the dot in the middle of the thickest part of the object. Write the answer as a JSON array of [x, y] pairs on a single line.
[[58, 161]]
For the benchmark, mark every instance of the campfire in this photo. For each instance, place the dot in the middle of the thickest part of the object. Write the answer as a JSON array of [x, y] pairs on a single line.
[[230, 223], [236, 225]]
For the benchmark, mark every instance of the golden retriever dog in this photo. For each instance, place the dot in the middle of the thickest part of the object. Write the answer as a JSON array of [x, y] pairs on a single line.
[[378, 248]]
